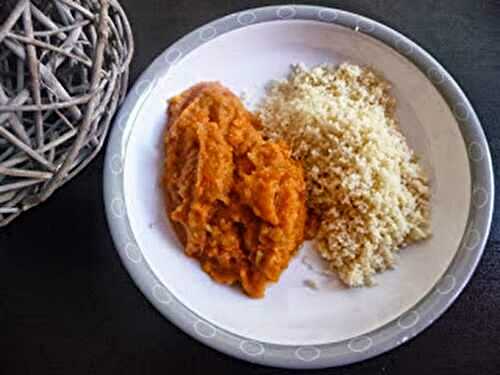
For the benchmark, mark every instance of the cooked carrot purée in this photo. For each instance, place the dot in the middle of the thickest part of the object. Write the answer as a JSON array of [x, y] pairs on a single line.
[[237, 201]]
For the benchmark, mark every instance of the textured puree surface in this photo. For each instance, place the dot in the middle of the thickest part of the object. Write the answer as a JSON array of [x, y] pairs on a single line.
[[364, 184], [237, 201]]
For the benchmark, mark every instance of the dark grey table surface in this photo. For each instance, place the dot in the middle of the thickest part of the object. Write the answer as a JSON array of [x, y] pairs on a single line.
[[67, 306]]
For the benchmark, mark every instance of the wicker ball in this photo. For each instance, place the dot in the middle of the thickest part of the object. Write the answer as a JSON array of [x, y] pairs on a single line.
[[63, 72]]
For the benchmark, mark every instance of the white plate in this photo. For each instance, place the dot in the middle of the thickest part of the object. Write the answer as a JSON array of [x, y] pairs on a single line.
[[294, 326]]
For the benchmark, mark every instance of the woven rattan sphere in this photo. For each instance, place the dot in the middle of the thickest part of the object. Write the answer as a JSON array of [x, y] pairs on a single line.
[[63, 72]]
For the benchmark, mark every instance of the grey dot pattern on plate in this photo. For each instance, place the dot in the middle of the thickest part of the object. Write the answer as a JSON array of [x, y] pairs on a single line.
[[328, 15], [480, 196], [435, 75], [307, 353], [204, 329], [252, 348], [133, 252], [122, 121], [161, 294], [246, 18], [365, 25], [360, 344], [173, 56], [118, 207], [116, 164], [286, 12], [447, 284], [408, 320], [473, 239], [403, 46], [141, 86], [476, 152], [208, 33], [461, 111]]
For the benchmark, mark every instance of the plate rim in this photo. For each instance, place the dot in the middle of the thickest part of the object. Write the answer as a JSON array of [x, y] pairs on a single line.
[[356, 349]]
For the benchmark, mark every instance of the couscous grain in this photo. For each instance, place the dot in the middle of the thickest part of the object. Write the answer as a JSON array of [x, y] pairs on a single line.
[[364, 182]]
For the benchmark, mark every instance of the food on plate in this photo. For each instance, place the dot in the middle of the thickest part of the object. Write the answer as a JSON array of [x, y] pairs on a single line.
[[366, 189], [237, 201]]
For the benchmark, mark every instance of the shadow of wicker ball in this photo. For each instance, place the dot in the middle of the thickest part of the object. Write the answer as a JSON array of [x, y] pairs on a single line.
[[63, 72]]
